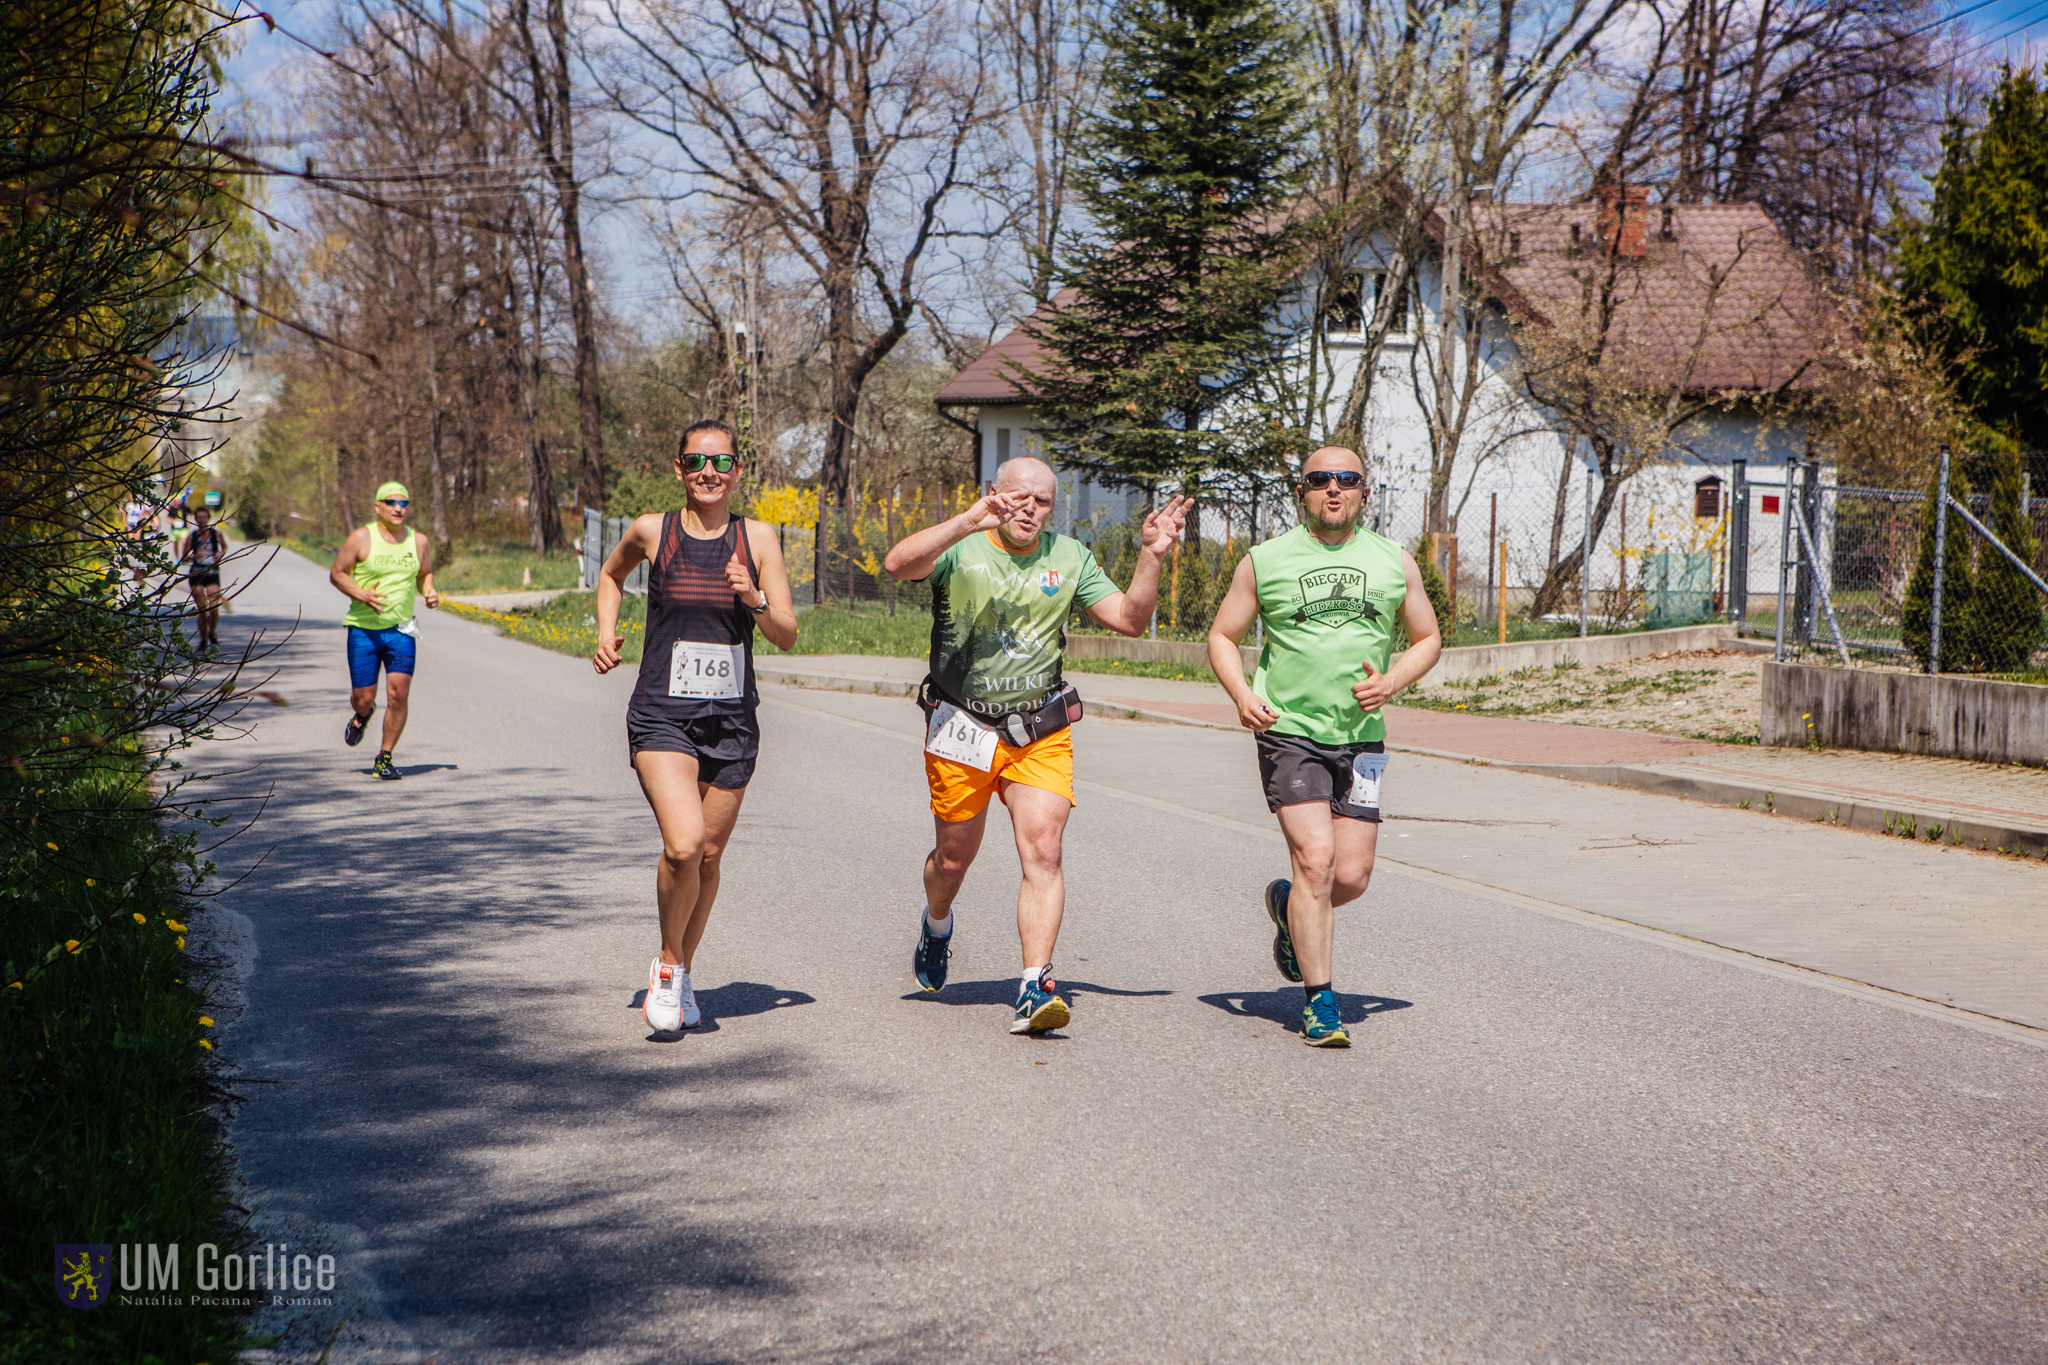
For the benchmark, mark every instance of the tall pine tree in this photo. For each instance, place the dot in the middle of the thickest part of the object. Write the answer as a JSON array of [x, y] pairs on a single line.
[[1163, 364], [1978, 267]]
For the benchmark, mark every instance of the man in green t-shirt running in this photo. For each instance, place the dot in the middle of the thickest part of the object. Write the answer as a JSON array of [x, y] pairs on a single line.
[[1328, 592], [381, 568], [998, 708]]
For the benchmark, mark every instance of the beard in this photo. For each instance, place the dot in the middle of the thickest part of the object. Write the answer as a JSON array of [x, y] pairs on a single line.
[[1313, 514]]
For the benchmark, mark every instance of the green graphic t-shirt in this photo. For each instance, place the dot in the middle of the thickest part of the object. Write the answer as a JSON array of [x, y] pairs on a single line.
[[999, 618], [1327, 608]]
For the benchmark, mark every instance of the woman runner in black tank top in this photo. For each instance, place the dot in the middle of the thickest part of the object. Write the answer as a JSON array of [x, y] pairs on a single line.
[[690, 727], [690, 602]]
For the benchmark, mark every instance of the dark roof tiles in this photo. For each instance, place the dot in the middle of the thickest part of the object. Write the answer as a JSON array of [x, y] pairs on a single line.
[[1770, 319]]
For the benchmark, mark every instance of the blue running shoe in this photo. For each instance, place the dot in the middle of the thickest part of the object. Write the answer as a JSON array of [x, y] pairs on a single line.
[[1283, 944], [1320, 1026], [930, 958], [1039, 1010]]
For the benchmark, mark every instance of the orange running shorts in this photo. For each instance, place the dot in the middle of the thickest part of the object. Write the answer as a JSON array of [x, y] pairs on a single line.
[[961, 792]]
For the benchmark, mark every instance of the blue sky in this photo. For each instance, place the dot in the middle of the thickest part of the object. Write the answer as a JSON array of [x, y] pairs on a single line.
[[2010, 26], [256, 76]]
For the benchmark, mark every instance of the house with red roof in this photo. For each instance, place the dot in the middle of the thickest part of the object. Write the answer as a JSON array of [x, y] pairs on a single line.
[[1710, 302]]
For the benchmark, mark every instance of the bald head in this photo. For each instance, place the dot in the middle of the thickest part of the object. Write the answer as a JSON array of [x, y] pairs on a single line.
[[1030, 475], [1334, 457], [1028, 488], [1333, 511]]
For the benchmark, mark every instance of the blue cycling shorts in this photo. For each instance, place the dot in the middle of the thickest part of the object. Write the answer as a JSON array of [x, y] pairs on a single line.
[[367, 649]]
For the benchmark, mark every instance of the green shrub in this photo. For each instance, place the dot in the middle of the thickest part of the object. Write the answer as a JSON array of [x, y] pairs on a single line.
[[2002, 626], [1916, 613]]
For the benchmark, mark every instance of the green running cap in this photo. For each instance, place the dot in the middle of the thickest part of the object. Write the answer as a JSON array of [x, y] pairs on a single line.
[[392, 489]]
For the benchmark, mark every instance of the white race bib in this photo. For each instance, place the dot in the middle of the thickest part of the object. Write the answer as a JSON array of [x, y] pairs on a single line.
[[955, 735], [714, 672], [409, 626], [1365, 780]]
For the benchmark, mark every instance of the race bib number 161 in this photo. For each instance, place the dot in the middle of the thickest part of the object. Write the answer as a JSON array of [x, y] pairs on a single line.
[[953, 734]]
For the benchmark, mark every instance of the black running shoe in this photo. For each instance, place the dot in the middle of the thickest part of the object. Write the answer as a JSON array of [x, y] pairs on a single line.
[[385, 768], [352, 734], [1277, 892], [929, 961]]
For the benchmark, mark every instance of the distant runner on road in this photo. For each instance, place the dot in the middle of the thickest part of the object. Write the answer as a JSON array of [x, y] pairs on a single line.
[[205, 547], [381, 568], [691, 732], [1328, 592], [997, 708]]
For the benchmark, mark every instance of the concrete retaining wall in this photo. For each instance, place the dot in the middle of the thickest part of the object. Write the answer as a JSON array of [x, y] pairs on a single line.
[[1483, 661], [1467, 661], [1907, 713]]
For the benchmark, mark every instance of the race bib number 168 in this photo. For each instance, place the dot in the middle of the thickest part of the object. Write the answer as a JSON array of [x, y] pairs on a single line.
[[714, 672]]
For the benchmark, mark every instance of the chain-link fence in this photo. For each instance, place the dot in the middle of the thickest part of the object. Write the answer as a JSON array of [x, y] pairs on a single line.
[[1532, 551], [1951, 578]]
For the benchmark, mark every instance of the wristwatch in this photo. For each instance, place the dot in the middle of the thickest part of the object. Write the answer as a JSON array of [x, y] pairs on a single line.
[[758, 607]]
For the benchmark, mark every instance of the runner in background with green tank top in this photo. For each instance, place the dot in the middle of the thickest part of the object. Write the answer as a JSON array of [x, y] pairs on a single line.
[[1328, 592], [381, 568]]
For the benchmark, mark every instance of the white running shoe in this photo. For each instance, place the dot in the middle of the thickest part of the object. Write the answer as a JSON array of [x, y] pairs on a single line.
[[668, 986], [692, 1016]]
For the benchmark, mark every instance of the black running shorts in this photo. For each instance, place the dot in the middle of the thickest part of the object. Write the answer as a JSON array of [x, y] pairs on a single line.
[[724, 746], [1298, 771]]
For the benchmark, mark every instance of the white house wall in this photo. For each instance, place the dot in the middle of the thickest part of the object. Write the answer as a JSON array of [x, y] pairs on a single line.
[[1513, 459]]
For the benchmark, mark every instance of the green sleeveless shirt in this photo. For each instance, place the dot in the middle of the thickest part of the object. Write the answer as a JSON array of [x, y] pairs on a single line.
[[390, 571], [1326, 608]]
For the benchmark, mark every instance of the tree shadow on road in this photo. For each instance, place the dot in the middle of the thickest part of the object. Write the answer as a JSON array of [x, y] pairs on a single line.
[[734, 1000], [1284, 1006]]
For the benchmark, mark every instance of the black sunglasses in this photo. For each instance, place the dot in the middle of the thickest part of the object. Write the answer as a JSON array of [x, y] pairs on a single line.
[[695, 461], [396, 502], [1323, 478]]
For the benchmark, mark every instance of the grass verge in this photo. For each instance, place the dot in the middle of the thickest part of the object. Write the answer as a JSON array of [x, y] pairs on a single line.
[[107, 1114], [568, 625]]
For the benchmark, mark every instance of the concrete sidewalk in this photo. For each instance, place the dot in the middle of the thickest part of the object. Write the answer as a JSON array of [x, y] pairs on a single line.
[[1974, 805]]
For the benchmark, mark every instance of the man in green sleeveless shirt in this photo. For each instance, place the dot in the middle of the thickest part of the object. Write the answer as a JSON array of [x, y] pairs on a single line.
[[1328, 592], [381, 568]]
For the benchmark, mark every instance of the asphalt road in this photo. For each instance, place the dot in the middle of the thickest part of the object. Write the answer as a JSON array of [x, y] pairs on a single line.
[[1549, 1141]]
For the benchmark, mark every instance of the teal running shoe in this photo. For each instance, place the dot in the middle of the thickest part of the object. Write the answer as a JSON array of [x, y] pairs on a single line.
[[929, 959], [1283, 944], [1320, 1026], [1039, 1010]]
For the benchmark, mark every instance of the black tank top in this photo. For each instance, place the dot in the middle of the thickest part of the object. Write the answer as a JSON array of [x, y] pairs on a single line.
[[689, 600], [206, 551]]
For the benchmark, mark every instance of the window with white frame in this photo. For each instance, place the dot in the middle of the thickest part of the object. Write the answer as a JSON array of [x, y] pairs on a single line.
[[1385, 295]]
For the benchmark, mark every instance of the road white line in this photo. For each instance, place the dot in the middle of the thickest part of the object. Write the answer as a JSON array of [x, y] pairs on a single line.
[[1697, 947]]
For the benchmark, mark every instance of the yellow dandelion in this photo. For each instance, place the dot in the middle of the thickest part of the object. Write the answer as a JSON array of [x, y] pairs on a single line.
[[208, 1046], [14, 985], [50, 846], [90, 882], [142, 919], [206, 1020], [71, 945], [175, 925], [181, 940]]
